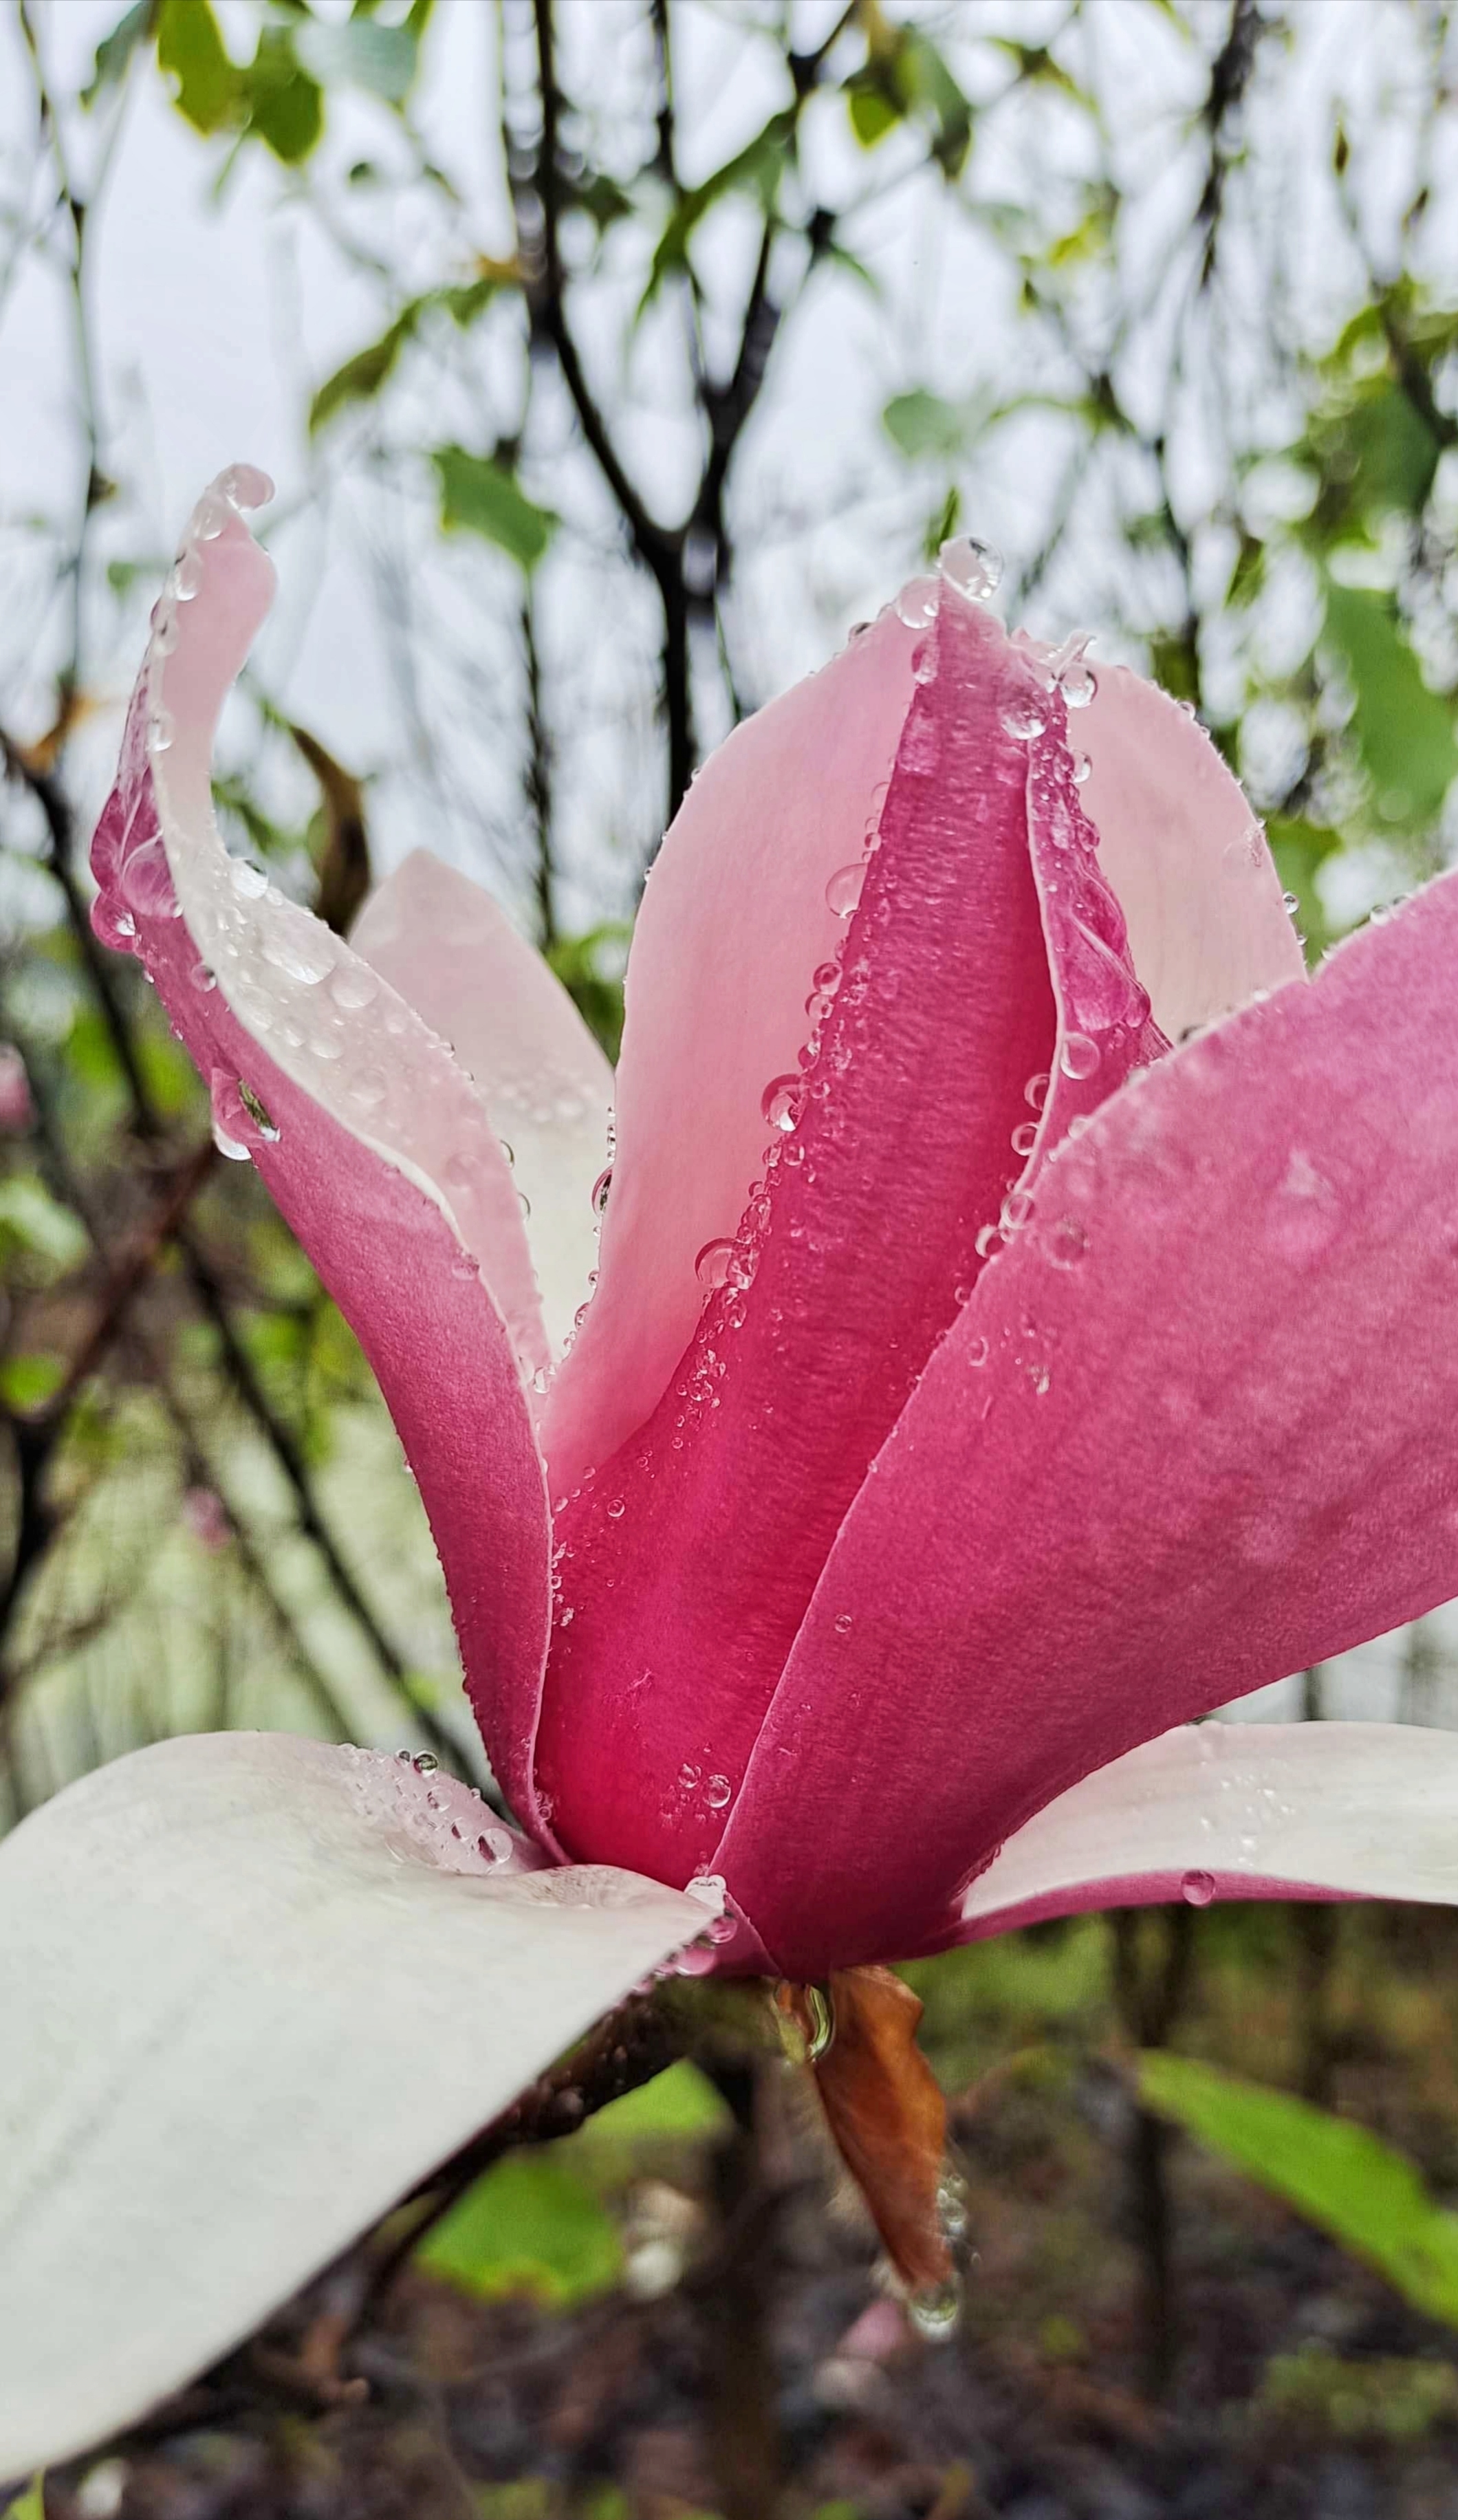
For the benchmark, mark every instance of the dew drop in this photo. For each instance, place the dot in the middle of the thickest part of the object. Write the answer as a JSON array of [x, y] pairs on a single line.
[[244, 486], [1079, 1057], [1025, 1136], [843, 1623], [936, 2311], [1198, 1889], [717, 1792], [424, 1762], [820, 2007], [147, 883], [783, 1101], [114, 926], [976, 1351], [689, 1776], [1036, 1091], [987, 1238], [973, 567], [1082, 768], [187, 576], [266, 1127], [844, 887], [1077, 683], [1067, 1243], [600, 1189], [369, 1088], [247, 879], [711, 1266], [826, 977], [229, 1147], [616, 1509], [351, 985], [161, 733], [203, 977], [165, 632], [1017, 1210], [917, 602], [1023, 716], [209, 516]]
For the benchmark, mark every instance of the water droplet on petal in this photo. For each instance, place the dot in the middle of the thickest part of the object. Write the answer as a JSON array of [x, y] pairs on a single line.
[[203, 977], [1017, 1210], [244, 486], [689, 1776], [1036, 1091], [187, 576], [820, 2007], [843, 1623], [161, 733], [783, 1101], [114, 926], [266, 1127], [976, 1351], [209, 519], [917, 602], [1082, 768], [712, 1265], [1067, 1243], [1023, 716], [147, 883], [616, 1509], [1025, 1136], [973, 567], [352, 985], [424, 1763], [600, 1189], [247, 879], [1079, 1057], [369, 1088], [844, 890], [1198, 1889], [987, 1238], [717, 1792]]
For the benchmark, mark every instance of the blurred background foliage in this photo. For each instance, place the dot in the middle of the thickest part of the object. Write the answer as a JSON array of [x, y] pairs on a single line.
[[618, 355]]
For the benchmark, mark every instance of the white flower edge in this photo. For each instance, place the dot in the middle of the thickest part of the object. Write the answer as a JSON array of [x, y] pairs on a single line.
[[1366, 1811], [248, 2004]]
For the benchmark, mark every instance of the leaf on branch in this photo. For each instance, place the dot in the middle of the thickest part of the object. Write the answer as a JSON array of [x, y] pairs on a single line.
[[479, 495], [756, 169], [113, 60], [1339, 2177], [189, 46], [1403, 732], [361, 377], [529, 2225]]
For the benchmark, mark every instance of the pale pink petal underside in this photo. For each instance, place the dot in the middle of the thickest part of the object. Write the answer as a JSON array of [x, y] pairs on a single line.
[[253, 1989], [1194, 1432], [372, 1140], [1197, 885], [733, 925], [1237, 1810], [455, 956]]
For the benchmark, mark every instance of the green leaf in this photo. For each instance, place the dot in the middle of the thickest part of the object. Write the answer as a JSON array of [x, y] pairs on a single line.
[[873, 112], [189, 46], [362, 53], [529, 2225], [361, 377], [31, 2504], [920, 424], [1299, 848], [1403, 732], [114, 58], [679, 2104], [757, 168], [284, 105], [38, 1223], [591, 968], [478, 494], [27, 1381], [1341, 2177]]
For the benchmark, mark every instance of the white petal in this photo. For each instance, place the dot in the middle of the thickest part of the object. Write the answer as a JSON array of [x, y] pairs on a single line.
[[1240, 1812], [455, 957], [245, 2008]]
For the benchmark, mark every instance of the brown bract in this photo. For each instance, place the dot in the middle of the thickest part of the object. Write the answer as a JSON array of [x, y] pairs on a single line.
[[885, 2108]]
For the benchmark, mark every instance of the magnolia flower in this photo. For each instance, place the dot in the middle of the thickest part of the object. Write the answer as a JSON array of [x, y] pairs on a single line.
[[845, 1476]]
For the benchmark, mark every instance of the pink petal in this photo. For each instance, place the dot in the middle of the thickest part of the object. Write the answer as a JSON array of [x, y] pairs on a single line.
[[688, 1561], [1194, 879], [734, 923], [1194, 1432], [372, 1140], [457, 959], [1237, 1810]]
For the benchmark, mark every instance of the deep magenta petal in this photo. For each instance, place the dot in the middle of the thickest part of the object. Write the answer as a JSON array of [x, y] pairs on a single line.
[[890, 1160], [1194, 1432], [733, 926], [375, 1145]]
